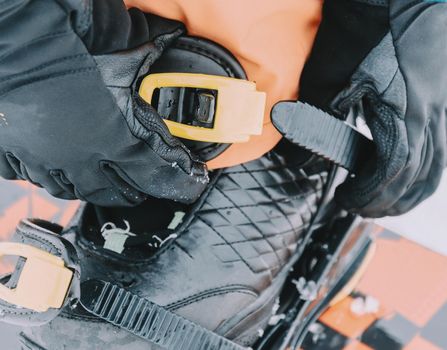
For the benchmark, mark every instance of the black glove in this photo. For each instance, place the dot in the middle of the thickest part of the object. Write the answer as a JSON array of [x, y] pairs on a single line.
[[387, 58], [71, 119]]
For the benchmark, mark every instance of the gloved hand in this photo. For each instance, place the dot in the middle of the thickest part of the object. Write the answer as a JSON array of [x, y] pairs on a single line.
[[387, 58], [71, 119]]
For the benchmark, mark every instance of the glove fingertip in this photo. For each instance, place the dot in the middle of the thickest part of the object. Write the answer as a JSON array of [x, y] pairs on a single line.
[[199, 169], [341, 197], [345, 196], [348, 199], [126, 192]]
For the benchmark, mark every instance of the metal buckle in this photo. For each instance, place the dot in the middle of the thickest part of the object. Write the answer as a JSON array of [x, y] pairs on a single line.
[[44, 280], [238, 106]]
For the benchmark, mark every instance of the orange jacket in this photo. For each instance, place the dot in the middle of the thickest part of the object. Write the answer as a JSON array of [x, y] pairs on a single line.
[[271, 40]]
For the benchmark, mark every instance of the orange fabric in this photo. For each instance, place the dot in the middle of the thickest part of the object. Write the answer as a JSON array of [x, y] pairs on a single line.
[[341, 318], [420, 274], [271, 39]]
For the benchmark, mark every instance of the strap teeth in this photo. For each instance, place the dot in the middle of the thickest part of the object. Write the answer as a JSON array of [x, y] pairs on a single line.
[[109, 298], [139, 325], [123, 300]]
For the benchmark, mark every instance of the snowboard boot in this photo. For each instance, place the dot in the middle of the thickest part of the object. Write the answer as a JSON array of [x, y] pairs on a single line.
[[251, 264]]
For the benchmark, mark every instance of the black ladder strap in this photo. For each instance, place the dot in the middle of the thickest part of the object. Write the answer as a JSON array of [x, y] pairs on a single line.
[[326, 136], [148, 320]]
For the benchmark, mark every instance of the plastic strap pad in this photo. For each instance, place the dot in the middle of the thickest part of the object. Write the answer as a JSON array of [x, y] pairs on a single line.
[[38, 236]]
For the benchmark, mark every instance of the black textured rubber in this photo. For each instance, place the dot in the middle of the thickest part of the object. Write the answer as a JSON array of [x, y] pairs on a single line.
[[147, 320], [325, 135]]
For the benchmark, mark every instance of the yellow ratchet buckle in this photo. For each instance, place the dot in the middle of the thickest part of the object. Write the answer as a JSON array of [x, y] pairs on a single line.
[[44, 280], [206, 108]]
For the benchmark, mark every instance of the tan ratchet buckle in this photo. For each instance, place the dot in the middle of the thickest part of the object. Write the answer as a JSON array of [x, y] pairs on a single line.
[[44, 280], [206, 108]]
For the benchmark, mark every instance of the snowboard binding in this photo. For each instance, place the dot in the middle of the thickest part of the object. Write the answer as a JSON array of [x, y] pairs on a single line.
[[250, 265]]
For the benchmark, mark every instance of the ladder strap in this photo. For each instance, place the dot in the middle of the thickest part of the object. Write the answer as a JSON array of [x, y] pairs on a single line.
[[148, 320], [323, 134]]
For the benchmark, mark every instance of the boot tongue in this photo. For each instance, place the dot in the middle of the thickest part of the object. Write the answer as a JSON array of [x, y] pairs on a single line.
[[135, 233]]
